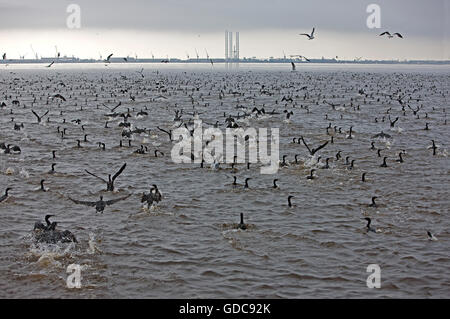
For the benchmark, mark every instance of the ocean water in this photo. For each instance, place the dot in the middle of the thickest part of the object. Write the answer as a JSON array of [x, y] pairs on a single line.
[[188, 246]]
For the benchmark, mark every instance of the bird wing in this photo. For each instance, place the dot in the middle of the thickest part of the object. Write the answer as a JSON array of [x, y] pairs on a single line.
[[163, 130], [304, 143], [305, 35], [81, 202], [119, 171], [376, 135], [109, 56], [120, 103], [104, 181], [319, 148], [385, 32], [35, 114], [145, 197], [59, 96], [112, 201], [312, 33], [45, 113], [398, 34]]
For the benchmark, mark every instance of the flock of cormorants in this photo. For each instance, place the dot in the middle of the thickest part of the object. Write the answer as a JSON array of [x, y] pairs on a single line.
[[399, 101]]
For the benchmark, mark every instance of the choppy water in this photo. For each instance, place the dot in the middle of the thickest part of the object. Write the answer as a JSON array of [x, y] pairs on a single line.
[[187, 246]]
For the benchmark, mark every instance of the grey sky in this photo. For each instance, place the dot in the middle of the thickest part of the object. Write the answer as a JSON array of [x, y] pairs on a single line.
[[414, 18]]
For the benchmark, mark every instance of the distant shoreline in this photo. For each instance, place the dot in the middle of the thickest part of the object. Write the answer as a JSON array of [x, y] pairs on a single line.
[[203, 61]]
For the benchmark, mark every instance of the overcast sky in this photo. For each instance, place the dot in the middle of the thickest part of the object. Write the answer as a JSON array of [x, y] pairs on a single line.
[[267, 28]]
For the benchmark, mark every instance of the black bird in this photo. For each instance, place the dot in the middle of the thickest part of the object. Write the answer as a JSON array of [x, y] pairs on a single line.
[[314, 150], [241, 225], [390, 36], [369, 228], [382, 135], [384, 162], [8, 149], [351, 164], [5, 196], [275, 183], [158, 151], [400, 160], [59, 96], [109, 57], [234, 181], [99, 205], [311, 174], [41, 226], [110, 182], [283, 163], [434, 147], [393, 122], [39, 118], [246, 182], [48, 234], [326, 166], [373, 204], [42, 186], [293, 66], [52, 171], [289, 200], [363, 177], [350, 133], [167, 132]]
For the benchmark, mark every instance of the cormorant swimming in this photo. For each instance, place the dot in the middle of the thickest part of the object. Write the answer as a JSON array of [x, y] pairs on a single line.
[[275, 183], [289, 200], [373, 204], [311, 174], [241, 225], [369, 228], [5, 196]]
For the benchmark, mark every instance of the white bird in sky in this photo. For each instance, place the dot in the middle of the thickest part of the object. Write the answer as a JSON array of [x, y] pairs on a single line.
[[310, 36]]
